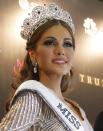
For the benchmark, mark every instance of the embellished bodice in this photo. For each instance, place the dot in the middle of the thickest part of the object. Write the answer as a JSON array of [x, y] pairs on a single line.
[[29, 112], [35, 107]]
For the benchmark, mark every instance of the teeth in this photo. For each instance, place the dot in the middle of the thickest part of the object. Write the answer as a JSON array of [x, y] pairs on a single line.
[[59, 61]]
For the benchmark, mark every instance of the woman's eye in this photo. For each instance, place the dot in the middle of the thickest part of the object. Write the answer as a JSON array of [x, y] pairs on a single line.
[[68, 44], [49, 43]]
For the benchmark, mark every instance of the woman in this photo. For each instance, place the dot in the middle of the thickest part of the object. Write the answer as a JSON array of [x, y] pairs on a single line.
[[38, 103]]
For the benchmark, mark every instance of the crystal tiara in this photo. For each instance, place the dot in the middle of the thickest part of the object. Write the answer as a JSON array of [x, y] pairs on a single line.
[[40, 15]]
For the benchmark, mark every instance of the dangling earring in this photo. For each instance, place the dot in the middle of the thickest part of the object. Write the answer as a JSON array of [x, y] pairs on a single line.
[[35, 68], [69, 73], [34, 63]]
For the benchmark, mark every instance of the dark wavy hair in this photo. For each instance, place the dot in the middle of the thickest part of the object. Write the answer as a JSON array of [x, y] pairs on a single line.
[[27, 72]]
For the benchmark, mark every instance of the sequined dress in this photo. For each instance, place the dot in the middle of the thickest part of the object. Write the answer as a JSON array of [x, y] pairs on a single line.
[[29, 112]]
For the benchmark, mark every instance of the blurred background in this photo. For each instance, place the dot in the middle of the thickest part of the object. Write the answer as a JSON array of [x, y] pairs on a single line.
[[88, 20]]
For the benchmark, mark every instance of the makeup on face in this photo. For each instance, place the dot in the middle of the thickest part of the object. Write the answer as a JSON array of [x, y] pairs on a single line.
[[52, 41]]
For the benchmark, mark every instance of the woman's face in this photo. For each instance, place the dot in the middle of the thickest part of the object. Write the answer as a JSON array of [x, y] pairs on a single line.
[[54, 51]]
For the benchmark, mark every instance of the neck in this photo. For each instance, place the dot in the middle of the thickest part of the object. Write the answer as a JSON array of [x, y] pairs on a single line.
[[53, 82]]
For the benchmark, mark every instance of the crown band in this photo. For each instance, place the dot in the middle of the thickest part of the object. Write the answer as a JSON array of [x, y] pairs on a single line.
[[40, 15]]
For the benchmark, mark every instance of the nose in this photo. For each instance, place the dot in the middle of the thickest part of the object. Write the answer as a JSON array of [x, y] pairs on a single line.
[[60, 51]]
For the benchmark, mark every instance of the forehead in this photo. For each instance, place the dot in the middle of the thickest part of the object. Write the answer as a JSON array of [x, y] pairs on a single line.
[[58, 31]]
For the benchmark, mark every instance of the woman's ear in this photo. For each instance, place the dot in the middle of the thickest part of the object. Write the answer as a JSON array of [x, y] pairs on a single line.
[[32, 54]]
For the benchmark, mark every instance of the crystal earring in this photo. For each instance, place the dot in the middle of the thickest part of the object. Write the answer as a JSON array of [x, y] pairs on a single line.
[[69, 73], [34, 63], [35, 68]]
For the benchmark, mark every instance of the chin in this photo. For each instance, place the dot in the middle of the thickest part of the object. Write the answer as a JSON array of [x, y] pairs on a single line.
[[61, 72]]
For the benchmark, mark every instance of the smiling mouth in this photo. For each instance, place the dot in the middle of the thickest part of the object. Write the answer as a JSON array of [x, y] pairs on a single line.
[[59, 62]]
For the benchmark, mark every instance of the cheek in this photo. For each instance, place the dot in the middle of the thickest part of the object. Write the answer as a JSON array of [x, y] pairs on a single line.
[[40, 55], [43, 55], [70, 54]]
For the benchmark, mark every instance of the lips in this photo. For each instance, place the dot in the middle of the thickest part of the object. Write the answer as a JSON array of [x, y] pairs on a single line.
[[59, 61]]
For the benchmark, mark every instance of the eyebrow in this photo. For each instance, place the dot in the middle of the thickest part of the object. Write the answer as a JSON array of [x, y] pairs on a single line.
[[51, 37]]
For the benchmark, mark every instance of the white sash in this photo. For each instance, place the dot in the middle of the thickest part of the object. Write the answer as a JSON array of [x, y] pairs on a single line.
[[64, 113]]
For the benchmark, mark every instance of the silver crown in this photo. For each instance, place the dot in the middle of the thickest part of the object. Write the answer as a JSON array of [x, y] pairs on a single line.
[[40, 15]]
